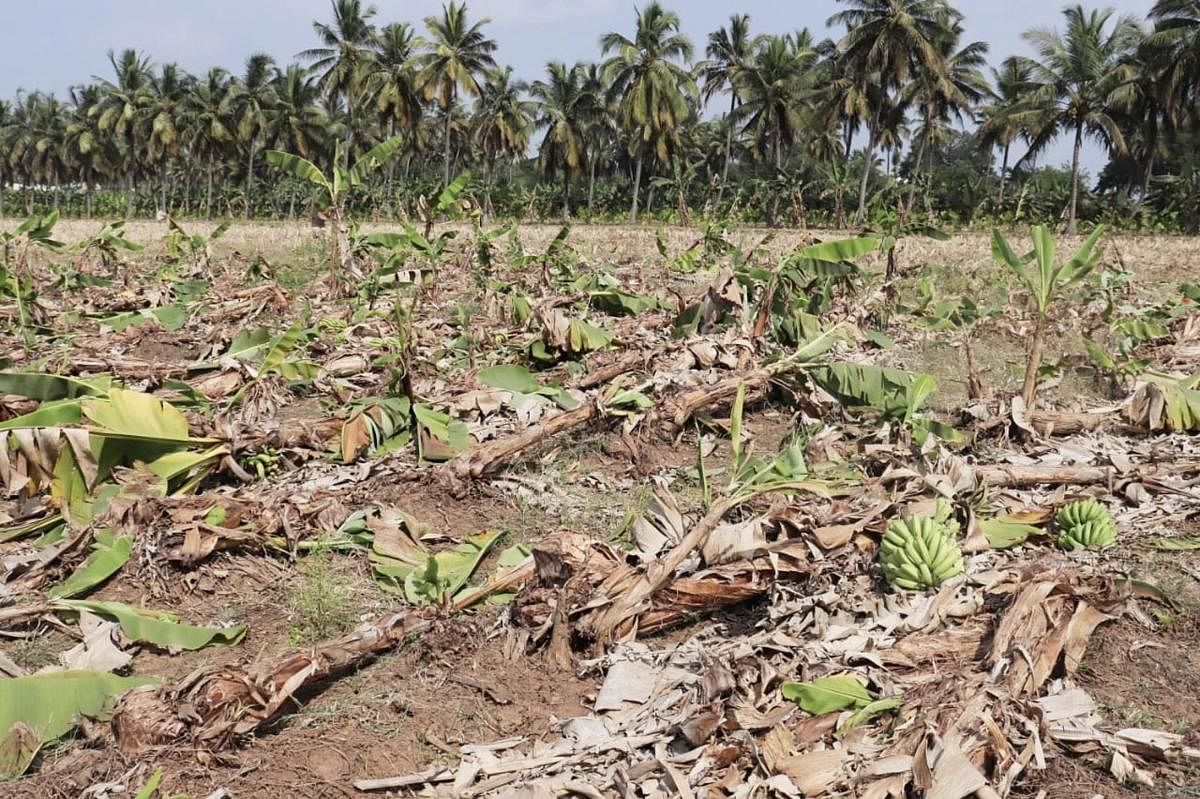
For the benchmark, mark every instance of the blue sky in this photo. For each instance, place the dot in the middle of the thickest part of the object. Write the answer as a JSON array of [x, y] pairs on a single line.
[[52, 46]]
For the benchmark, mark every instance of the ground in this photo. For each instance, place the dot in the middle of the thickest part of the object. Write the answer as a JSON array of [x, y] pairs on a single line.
[[463, 680]]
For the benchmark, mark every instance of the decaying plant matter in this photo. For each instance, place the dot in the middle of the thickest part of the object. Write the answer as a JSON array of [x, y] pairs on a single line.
[[874, 583]]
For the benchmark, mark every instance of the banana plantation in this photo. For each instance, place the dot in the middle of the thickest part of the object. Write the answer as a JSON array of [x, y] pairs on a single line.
[[344, 454]]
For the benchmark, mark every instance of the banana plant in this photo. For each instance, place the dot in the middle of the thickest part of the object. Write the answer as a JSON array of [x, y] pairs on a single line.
[[104, 245], [37, 230], [336, 187], [1044, 281]]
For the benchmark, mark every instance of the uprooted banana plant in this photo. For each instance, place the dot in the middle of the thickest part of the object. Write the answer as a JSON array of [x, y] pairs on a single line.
[[87, 445]]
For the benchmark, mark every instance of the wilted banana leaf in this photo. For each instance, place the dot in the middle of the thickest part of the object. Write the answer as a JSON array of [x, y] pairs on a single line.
[[279, 358], [136, 415], [1177, 543], [48, 706], [865, 385], [156, 627], [109, 553], [519, 380], [1167, 403], [827, 694], [439, 575], [378, 423], [439, 437], [841, 250]]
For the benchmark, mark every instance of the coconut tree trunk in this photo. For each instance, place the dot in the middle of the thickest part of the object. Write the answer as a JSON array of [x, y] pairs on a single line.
[[446, 151], [637, 184], [1075, 178], [868, 159], [209, 190], [847, 141], [778, 147], [728, 149], [162, 187], [131, 187], [566, 195], [591, 184], [1003, 176], [1148, 168], [912, 189], [249, 177]]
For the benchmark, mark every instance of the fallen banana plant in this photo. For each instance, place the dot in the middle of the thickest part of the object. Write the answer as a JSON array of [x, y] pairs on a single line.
[[222, 706]]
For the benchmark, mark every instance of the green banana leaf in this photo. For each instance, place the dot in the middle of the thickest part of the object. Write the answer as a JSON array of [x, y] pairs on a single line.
[[48, 705], [109, 553], [155, 627], [45, 387], [53, 413], [827, 694]]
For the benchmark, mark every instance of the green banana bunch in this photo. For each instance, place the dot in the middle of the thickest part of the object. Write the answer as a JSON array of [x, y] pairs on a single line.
[[1085, 524], [919, 553]]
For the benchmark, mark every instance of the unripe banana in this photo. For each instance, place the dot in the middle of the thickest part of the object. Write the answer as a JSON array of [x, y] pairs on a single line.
[[920, 552], [1085, 524]]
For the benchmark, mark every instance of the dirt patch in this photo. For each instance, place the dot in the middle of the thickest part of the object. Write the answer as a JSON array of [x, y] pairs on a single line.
[[451, 686]]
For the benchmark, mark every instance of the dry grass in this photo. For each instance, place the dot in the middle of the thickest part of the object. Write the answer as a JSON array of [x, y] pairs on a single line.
[[1155, 259]]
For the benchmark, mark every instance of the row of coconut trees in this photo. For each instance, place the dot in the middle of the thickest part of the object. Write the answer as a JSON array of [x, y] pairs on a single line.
[[898, 78]]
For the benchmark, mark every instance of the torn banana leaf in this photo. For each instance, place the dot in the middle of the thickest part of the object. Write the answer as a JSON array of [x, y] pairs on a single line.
[[48, 705], [1005, 531], [156, 627], [375, 425], [109, 553]]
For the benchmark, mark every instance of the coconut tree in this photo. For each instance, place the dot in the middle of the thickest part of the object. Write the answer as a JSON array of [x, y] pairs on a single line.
[[207, 125], [164, 108], [251, 100], [951, 92], [120, 113], [774, 91], [503, 123], [1001, 122], [1177, 35], [563, 108], [886, 43], [392, 84], [344, 60], [598, 112], [297, 123], [729, 52], [1083, 79], [8, 132], [457, 55], [648, 73]]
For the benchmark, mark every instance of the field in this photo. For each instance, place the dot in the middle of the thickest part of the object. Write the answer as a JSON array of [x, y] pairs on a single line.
[[593, 512]]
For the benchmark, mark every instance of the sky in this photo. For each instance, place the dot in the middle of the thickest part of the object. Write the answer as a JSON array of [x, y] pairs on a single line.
[[52, 47]]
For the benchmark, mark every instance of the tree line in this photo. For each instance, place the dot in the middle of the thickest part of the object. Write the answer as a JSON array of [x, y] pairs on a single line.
[[893, 107]]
